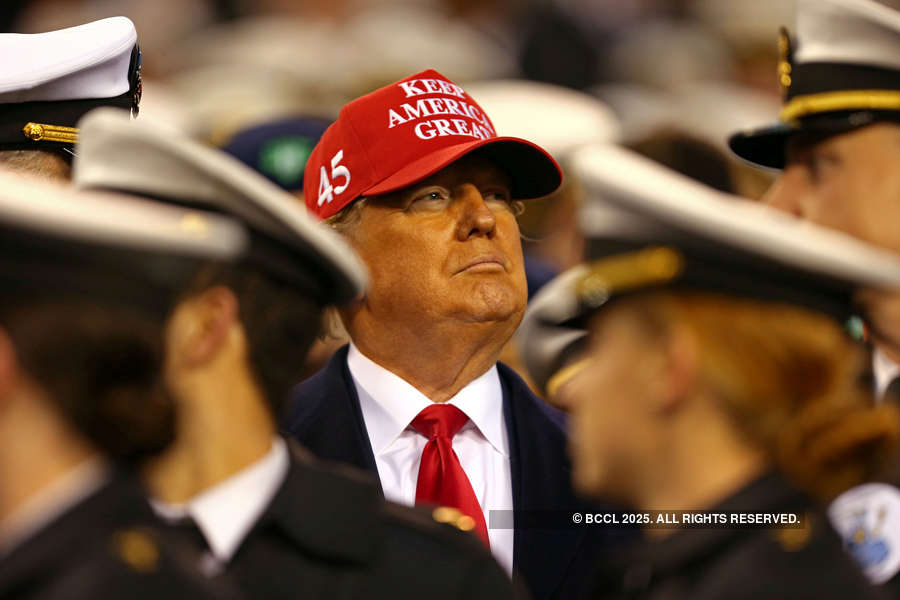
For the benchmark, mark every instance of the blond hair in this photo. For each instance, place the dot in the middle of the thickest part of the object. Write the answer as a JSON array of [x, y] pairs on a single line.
[[791, 379]]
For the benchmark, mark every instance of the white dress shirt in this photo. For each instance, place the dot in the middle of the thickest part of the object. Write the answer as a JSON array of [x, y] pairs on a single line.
[[226, 512], [884, 370], [389, 404]]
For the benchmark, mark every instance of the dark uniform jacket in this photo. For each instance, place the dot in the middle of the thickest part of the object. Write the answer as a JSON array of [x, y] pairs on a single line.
[[106, 546], [329, 534], [736, 564], [556, 561]]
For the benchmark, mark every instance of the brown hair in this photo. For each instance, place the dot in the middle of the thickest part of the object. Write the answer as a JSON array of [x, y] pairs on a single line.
[[792, 380], [100, 367]]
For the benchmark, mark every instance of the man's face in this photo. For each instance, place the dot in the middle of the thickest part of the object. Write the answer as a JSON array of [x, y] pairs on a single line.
[[849, 182], [445, 248]]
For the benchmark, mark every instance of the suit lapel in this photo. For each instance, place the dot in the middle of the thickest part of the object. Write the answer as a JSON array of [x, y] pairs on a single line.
[[327, 418], [540, 481]]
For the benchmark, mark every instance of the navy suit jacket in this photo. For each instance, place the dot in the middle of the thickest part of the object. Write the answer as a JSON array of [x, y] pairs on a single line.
[[555, 562]]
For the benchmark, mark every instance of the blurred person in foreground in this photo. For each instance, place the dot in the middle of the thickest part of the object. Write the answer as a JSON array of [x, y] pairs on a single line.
[[415, 178], [260, 509], [86, 285], [718, 377], [838, 144], [49, 80]]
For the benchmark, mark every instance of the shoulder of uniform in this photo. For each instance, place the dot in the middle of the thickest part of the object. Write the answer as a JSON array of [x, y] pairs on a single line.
[[443, 521]]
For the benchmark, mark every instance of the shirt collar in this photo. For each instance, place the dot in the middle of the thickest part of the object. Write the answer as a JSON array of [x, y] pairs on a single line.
[[884, 370], [226, 512], [395, 403]]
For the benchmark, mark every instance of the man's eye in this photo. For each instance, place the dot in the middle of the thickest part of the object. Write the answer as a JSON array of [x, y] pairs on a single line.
[[496, 196], [429, 199]]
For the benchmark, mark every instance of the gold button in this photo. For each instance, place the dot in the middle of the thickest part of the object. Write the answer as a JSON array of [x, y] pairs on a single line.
[[465, 523], [137, 550], [446, 514], [34, 131]]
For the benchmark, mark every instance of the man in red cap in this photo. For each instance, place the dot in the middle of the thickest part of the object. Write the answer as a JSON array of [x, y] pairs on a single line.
[[417, 180]]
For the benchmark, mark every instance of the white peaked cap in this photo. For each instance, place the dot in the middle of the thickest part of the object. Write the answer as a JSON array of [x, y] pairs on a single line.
[[143, 158], [848, 31], [87, 61], [113, 220], [692, 210]]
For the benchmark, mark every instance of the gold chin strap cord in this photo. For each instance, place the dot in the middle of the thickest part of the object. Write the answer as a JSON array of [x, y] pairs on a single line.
[[812, 104], [41, 132]]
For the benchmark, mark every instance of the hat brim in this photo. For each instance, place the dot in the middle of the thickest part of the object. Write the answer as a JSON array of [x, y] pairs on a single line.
[[763, 146], [532, 171]]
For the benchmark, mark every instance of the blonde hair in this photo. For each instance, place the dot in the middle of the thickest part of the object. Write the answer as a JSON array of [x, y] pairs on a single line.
[[792, 381]]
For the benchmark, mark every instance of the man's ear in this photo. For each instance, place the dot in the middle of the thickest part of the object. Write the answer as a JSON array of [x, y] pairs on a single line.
[[207, 323], [680, 369]]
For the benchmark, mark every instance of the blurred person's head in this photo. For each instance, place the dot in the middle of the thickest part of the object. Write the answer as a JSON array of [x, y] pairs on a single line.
[[66, 74], [687, 155], [87, 285], [278, 149], [717, 349], [237, 338], [772, 385], [839, 141]]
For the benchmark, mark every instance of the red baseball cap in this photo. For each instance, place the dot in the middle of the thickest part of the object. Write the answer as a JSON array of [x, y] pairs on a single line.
[[406, 131]]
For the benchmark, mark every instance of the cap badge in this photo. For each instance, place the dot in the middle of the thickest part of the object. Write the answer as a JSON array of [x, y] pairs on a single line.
[[785, 57], [630, 271]]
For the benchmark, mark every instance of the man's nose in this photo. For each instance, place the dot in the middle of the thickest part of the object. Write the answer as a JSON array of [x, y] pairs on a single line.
[[476, 217], [787, 192]]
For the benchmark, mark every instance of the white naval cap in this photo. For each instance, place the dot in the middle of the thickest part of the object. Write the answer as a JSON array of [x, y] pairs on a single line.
[[740, 234], [840, 72], [863, 32], [682, 234], [49, 80], [147, 159], [556, 118], [57, 241]]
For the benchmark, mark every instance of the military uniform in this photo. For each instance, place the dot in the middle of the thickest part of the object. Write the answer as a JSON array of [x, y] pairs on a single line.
[[329, 534], [666, 232], [703, 564], [106, 546], [839, 72]]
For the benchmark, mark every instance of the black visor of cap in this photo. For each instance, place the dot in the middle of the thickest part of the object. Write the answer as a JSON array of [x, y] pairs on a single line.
[[532, 174]]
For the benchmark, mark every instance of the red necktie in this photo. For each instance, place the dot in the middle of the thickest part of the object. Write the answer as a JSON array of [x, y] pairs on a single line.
[[441, 477]]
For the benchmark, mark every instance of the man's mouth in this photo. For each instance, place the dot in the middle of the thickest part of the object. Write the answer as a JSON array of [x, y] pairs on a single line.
[[484, 264]]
